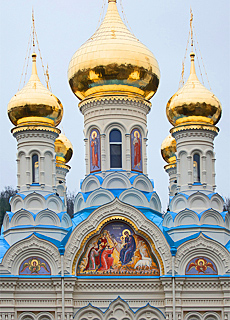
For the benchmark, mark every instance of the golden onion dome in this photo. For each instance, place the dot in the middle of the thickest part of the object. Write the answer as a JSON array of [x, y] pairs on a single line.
[[113, 61], [35, 103], [168, 149], [193, 102], [63, 149]]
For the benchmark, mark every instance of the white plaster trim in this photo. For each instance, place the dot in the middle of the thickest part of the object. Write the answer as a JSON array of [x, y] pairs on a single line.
[[109, 210]]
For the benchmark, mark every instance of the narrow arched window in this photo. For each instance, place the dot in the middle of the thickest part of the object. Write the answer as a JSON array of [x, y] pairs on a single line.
[[115, 142], [196, 167], [35, 169]]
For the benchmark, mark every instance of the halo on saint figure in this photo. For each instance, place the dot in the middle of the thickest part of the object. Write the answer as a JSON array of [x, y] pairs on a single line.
[[34, 260], [124, 231], [201, 260], [94, 133], [136, 133]]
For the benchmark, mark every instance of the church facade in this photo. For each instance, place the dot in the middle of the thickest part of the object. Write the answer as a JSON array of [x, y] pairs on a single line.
[[119, 257]]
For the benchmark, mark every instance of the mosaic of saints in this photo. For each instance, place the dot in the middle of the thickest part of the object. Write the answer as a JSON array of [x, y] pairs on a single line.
[[201, 266], [118, 250], [136, 150], [34, 266], [94, 144]]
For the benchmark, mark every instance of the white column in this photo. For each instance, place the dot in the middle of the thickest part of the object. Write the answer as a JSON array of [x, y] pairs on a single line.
[[103, 153], [87, 156], [203, 171], [213, 174], [42, 172], [28, 174], [144, 156], [128, 152], [18, 174], [54, 174], [190, 171], [178, 175]]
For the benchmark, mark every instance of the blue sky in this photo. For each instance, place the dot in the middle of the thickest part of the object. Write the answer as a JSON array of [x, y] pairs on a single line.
[[163, 26]]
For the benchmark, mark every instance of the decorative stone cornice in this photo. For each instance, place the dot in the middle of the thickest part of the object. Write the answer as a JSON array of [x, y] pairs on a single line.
[[194, 126], [35, 128], [115, 99], [121, 286]]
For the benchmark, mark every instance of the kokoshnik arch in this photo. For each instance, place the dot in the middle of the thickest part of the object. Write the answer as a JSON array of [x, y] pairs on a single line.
[[119, 257]]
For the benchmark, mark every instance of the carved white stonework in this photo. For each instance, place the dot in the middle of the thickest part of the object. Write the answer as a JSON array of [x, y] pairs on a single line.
[[101, 190], [202, 316], [202, 246], [119, 310], [34, 141], [33, 246], [195, 141], [116, 208], [115, 112], [197, 201], [35, 316], [116, 180]]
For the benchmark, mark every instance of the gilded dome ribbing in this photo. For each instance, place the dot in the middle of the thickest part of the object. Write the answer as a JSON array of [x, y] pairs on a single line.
[[35, 103], [168, 149], [113, 61], [193, 103], [63, 149]]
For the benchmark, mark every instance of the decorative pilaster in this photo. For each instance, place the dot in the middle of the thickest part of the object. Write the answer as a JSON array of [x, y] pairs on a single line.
[[145, 158], [128, 152], [103, 153]]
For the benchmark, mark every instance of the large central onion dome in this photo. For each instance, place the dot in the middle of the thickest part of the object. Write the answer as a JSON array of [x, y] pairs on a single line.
[[113, 61], [193, 103], [35, 103]]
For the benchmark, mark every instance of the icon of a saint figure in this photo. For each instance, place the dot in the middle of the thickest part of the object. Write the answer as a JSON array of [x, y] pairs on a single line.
[[94, 148], [201, 265], [34, 266], [129, 247], [137, 149]]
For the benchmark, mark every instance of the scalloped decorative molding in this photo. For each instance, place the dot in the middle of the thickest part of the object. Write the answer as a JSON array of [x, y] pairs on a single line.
[[197, 201], [99, 197], [111, 211], [47, 217], [202, 316], [31, 316], [79, 203], [32, 246], [189, 217], [116, 180], [155, 202], [134, 197], [142, 182], [90, 183], [205, 247], [119, 310], [107, 100]]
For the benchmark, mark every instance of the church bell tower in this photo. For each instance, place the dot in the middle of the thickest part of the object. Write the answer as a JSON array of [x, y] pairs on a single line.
[[115, 75]]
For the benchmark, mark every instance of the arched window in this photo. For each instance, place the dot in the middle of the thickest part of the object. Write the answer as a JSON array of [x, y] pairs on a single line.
[[35, 169], [115, 142], [196, 167]]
